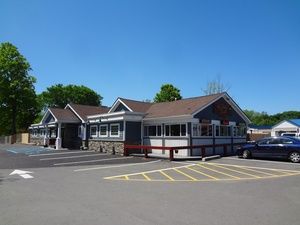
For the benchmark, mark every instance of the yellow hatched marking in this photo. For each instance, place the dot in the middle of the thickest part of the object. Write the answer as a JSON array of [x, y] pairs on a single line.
[[146, 177], [204, 174], [226, 174], [258, 171], [166, 175], [126, 177], [237, 171], [178, 171]]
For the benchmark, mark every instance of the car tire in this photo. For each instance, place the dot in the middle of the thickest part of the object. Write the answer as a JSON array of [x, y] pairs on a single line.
[[246, 154], [294, 157]]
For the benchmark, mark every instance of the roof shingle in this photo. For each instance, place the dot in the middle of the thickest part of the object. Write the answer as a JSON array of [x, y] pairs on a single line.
[[86, 110]]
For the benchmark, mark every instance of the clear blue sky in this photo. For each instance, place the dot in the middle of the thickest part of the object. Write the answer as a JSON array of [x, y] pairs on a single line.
[[130, 48]]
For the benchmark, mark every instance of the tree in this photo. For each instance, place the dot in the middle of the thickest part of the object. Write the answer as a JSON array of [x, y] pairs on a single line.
[[262, 118], [18, 105], [215, 86], [168, 93], [59, 96]]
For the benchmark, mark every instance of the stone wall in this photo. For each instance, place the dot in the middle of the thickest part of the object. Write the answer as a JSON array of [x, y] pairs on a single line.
[[37, 140], [112, 147]]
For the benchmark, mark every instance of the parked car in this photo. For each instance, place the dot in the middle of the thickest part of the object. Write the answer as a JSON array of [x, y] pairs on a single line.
[[272, 147]]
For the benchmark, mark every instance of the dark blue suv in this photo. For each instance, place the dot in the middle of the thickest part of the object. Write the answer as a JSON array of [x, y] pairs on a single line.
[[272, 147]]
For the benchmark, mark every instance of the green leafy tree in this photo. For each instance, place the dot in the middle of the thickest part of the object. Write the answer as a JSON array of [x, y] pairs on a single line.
[[262, 118], [59, 96], [18, 104], [168, 93]]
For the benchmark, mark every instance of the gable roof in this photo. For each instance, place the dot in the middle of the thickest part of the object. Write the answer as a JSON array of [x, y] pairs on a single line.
[[136, 106], [63, 115], [295, 122], [186, 106], [82, 111]]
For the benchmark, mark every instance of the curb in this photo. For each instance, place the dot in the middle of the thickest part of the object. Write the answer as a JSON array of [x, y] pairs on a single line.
[[211, 157]]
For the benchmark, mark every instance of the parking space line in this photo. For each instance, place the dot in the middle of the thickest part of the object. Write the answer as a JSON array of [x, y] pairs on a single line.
[[166, 175], [146, 177], [248, 174], [89, 161], [203, 169], [258, 160], [204, 174], [74, 156], [201, 165], [183, 173], [116, 166], [255, 167], [257, 171], [59, 153]]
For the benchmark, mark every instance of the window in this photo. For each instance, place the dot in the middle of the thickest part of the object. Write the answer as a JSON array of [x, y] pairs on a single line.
[[286, 141], [42, 132], [103, 131], [153, 130], [239, 131], [93, 131], [202, 130], [263, 142], [114, 130], [175, 130], [225, 131], [53, 133]]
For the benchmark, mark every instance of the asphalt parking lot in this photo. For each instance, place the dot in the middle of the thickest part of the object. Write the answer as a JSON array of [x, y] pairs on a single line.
[[83, 187]]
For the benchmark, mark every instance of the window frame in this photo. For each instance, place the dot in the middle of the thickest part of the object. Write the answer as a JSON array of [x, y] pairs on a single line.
[[96, 133], [104, 125], [146, 130], [110, 133], [180, 131]]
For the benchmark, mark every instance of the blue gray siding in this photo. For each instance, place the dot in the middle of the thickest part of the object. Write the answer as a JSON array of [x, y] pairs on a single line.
[[120, 108], [210, 113], [133, 132]]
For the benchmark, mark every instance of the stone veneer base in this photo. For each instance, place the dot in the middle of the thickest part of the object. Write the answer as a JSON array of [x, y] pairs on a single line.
[[113, 147]]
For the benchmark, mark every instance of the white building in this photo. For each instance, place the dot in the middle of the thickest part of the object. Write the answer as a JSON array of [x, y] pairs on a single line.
[[286, 126]]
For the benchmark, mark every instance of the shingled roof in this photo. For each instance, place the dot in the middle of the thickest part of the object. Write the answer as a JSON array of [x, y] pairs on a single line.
[[86, 110], [137, 106], [180, 107], [64, 115]]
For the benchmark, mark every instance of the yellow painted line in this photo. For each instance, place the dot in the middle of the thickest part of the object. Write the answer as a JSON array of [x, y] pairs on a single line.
[[126, 177], [258, 171], [204, 174], [237, 171], [226, 174], [166, 175], [146, 177], [149, 171], [256, 167], [178, 171]]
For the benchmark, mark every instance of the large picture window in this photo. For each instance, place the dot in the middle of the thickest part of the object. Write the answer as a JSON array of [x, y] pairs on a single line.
[[93, 131], [114, 130], [223, 131], [153, 130], [175, 130], [103, 131]]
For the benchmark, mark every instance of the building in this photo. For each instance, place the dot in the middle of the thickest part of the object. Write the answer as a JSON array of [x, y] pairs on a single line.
[[64, 128], [209, 120], [286, 126]]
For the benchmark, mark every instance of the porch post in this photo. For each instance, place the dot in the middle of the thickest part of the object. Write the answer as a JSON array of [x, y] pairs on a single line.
[[46, 137], [58, 138]]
